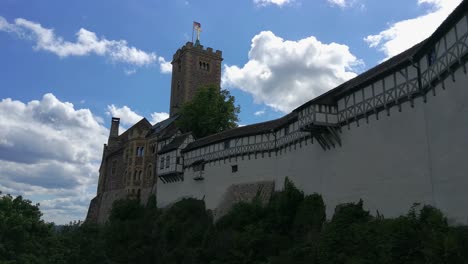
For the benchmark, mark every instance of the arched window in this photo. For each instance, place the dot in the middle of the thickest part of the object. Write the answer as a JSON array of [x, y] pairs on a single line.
[[139, 175], [149, 172]]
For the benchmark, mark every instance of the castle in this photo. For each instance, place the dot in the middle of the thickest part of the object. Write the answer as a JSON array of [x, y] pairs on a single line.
[[392, 136]]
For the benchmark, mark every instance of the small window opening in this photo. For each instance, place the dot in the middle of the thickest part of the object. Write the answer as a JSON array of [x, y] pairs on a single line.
[[178, 160], [234, 168], [227, 144], [199, 167], [431, 57], [161, 166], [168, 159]]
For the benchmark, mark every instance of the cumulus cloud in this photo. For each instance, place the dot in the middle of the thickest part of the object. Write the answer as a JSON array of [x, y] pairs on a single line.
[[284, 74], [50, 149], [157, 117], [87, 43], [128, 117], [272, 2], [165, 66], [404, 34]]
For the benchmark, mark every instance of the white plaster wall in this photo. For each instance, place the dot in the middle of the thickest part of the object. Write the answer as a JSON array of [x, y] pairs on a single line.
[[447, 130]]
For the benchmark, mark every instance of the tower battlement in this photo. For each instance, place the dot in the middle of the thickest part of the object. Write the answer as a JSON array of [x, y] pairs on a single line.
[[198, 48]]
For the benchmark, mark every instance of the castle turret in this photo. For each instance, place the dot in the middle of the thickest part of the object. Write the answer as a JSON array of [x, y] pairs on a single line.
[[193, 67]]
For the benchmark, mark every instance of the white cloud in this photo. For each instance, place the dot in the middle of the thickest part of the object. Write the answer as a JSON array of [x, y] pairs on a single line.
[[165, 66], [157, 117], [129, 72], [340, 3], [128, 117], [259, 113], [272, 2], [284, 74], [50, 151], [87, 43], [404, 34]]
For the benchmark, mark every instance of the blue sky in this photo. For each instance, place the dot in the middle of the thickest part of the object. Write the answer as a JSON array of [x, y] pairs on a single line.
[[67, 66]]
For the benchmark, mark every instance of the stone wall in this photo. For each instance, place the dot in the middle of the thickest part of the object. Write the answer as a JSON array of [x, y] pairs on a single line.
[[244, 192]]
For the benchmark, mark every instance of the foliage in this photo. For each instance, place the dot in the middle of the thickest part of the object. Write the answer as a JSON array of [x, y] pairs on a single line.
[[289, 228], [24, 237], [209, 112]]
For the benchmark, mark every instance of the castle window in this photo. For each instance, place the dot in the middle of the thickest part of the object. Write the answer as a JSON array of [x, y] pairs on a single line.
[[431, 57], [137, 150], [168, 159], [139, 175], [204, 66], [142, 151], [234, 168], [114, 167], [161, 165], [179, 66], [199, 167], [227, 144]]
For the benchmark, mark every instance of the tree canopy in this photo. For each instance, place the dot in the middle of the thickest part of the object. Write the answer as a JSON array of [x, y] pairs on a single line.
[[289, 228], [211, 111]]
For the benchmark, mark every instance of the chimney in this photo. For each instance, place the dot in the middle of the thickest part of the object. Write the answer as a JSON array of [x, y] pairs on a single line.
[[114, 131]]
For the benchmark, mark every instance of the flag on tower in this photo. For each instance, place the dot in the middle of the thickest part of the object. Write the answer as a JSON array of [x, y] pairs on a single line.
[[196, 25]]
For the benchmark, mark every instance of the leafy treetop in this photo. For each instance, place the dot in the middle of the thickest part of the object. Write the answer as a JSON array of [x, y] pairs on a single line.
[[209, 112]]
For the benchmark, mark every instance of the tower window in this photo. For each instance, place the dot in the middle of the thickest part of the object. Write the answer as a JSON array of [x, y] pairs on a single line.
[[234, 168], [179, 66], [204, 66]]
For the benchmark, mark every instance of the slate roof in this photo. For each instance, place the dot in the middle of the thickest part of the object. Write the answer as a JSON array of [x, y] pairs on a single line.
[[175, 144], [243, 131]]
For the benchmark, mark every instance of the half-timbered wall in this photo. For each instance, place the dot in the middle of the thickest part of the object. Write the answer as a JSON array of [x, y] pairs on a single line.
[[403, 140]]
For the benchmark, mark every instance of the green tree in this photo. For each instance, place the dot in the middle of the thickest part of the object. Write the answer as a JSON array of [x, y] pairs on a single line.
[[210, 111], [24, 237]]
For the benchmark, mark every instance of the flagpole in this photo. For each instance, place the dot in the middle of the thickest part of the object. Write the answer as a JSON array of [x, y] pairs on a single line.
[[192, 32]]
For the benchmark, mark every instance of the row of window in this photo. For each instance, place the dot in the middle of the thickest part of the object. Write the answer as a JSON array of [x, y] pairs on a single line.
[[167, 161], [205, 66]]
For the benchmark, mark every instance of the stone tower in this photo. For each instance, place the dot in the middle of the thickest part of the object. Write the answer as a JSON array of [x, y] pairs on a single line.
[[193, 67]]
